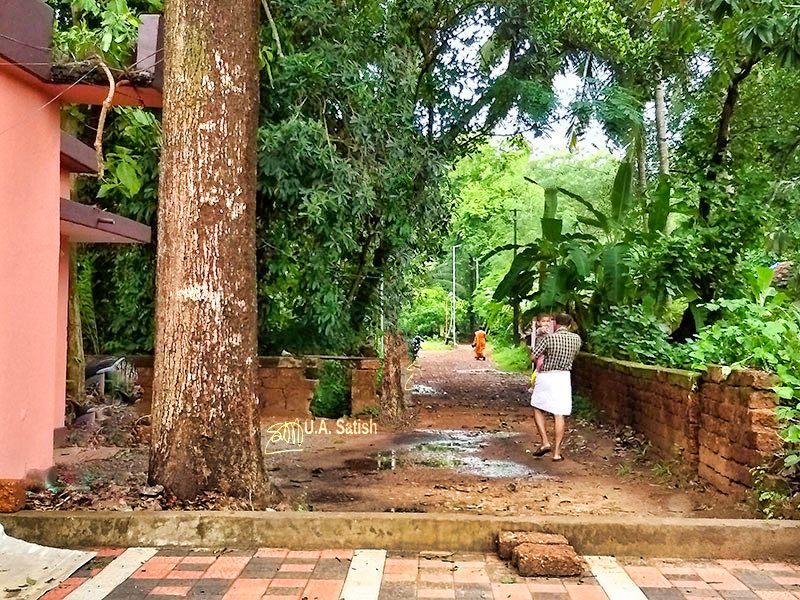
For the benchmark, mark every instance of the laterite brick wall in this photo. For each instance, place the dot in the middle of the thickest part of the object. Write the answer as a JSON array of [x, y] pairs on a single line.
[[719, 426], [286, 384]]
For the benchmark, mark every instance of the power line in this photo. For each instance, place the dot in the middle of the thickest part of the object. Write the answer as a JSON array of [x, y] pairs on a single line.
[[22, 121], [74, 62], [21, 43], [121, 91]]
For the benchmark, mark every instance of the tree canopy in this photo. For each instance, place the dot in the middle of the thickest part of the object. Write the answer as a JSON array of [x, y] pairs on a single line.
[[376, 156]]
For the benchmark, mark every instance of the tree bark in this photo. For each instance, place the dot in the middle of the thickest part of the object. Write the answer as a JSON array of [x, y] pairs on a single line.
[[723, 137], [706, 280], [661, 127], [393, 404], [76, 360], [205, 411]]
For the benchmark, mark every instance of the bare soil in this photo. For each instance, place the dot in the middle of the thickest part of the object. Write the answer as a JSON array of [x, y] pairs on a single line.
[[469, 451]]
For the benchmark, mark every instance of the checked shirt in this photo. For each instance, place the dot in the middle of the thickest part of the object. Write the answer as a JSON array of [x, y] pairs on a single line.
[[559, 350]]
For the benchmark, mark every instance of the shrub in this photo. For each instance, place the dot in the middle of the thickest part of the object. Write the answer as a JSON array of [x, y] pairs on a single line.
[[628, 333], [513, 359], [429, 312], [332, 396], [762, 334]]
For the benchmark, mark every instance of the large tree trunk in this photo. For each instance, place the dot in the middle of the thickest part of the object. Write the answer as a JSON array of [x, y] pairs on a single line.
[[661, 127], [205, 411], [394, 404]]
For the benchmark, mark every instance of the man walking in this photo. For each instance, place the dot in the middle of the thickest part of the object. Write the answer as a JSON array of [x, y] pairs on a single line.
[[553, 390]]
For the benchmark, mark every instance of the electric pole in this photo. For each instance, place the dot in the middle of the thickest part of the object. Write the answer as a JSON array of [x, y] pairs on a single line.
[[477, 273], [515, 304]]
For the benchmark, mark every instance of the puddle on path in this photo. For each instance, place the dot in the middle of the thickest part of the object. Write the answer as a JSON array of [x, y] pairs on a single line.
[[426, 390], [486, 370], [454, 450]]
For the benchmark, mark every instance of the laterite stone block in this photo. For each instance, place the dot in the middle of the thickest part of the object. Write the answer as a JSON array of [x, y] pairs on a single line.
[[546, 560], [508, 540]]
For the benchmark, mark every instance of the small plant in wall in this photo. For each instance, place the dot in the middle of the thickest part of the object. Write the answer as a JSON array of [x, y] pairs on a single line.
[[773, 493]]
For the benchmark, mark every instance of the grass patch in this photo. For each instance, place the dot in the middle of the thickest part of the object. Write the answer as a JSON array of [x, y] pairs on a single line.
[[435, 345], [662, 470], [624, 470], [332, 396], [514, 359]]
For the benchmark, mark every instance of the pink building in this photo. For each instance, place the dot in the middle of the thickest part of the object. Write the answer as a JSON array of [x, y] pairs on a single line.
[[37, 222]]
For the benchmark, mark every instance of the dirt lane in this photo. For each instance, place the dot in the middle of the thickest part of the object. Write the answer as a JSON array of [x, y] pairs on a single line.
[[467, 451], [470, 452]]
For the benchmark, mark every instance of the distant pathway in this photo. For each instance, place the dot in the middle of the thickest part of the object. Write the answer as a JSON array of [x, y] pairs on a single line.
[[471, 388]]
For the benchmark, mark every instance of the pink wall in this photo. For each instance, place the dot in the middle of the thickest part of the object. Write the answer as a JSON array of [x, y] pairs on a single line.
[[29, 276]]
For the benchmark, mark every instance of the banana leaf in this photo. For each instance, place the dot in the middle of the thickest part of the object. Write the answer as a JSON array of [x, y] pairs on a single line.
[[555, 288], [600, 220], [622, 192], [504, 247], [522, 272], [581, 260], [615, 272]]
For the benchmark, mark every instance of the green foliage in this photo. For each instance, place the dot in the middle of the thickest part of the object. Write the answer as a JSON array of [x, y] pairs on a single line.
[[761, 331], [370, 105], [91, 338], [123, 278], [662, 469], [624, 470], [428, 313], [628, 333], [346, 209], [332, 395], [496, 316], [512, 359], [579, 271], [436, 345], [116, 284], [92, 29], [127, 295], [583, 409]]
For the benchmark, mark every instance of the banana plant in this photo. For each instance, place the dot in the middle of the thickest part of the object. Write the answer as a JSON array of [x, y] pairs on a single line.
[[575, 270]]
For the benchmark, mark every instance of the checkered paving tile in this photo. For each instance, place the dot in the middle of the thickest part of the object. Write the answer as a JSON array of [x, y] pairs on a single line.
[[280, 574], [727, 579]]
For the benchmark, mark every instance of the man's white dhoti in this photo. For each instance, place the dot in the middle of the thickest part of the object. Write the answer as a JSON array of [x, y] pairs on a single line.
[[552, 392]]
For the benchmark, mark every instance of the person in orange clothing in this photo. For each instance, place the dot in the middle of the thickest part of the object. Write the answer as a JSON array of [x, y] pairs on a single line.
[[479, 343]]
